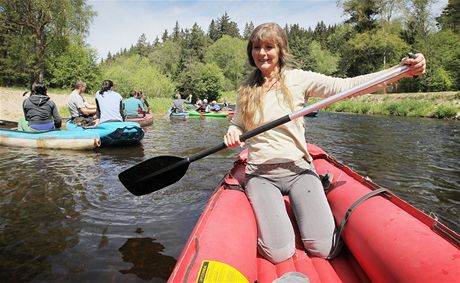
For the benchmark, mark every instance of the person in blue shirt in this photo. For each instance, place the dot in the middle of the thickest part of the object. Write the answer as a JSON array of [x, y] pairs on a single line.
[[214, 106], [132, 105]]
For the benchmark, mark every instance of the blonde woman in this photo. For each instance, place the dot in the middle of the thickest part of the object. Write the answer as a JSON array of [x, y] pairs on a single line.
[[278, 162]]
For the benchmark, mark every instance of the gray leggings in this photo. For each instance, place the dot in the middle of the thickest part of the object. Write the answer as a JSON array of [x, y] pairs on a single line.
[[276, 238]]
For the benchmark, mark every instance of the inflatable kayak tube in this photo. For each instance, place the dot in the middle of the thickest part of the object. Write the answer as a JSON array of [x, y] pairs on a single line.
[[147, 120], [56, 139], [208, 114], [385, 239], [179, 116], [113, 133]]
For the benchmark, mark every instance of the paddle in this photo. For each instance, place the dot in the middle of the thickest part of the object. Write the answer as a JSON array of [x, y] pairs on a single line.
[[8, 124], [158, 172]]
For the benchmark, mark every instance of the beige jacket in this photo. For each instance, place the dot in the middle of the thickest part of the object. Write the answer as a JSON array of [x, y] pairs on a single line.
[[286, 143]]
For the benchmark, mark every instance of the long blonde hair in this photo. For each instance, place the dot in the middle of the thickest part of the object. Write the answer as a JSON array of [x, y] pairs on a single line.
[[251, 91]]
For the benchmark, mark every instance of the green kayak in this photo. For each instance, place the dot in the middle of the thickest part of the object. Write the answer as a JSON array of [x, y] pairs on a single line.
[[208, 114]]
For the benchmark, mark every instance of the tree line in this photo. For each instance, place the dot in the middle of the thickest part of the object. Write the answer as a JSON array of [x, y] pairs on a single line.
[[44, 40]]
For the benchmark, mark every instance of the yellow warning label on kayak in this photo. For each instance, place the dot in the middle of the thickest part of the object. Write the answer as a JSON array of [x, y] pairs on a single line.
[[214, 271]]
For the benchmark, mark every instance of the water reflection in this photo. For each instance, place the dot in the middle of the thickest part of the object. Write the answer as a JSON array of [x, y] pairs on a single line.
[[65, 217], [37, 218], [146, 256]]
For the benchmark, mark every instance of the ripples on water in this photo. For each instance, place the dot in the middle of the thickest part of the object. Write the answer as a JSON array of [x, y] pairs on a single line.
[[66, 217]]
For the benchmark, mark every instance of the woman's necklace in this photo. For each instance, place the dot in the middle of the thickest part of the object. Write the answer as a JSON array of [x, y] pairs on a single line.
[[273, 84]]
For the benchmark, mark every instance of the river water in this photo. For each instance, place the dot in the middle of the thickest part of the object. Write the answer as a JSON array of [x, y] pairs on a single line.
[[65, 216]]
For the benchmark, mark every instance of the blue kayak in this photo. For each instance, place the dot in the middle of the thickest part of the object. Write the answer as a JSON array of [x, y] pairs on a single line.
[[55, 139], [113, 133], [180, 115]]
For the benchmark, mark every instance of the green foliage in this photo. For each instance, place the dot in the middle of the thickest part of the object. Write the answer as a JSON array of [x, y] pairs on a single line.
[[223, 26], [299, 41], [230, 55], [444, 56], [166, 57], [445, 111], [189, 58], [440, 79], [40, 23], [136, 73], [159, 104], [202, 81], [450, 17], [362, 13], [421, 106], [76, 63], [322, 60], [372, 51]]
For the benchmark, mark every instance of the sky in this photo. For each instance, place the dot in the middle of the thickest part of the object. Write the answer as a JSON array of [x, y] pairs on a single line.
[[119, 24]]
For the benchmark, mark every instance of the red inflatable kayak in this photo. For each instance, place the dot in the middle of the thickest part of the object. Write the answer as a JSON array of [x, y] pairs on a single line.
[[385, 238]]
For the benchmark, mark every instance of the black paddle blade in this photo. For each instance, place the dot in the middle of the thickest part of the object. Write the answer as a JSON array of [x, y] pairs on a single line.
[[154, 174]]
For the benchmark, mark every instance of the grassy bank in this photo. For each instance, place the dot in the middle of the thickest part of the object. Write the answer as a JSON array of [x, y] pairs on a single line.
[[433, 105]]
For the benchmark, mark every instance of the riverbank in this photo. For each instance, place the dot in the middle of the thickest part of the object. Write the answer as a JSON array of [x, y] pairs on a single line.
[[441, 105], [444, 105]]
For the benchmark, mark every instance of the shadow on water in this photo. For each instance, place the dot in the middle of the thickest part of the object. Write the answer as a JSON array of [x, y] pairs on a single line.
[[148, 262]]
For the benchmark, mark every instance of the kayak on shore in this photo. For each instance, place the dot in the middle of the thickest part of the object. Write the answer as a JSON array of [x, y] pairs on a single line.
[[112, 133], [384, 238]]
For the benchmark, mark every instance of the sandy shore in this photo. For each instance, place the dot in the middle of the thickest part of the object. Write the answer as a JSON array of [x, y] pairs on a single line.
[[11, 103]]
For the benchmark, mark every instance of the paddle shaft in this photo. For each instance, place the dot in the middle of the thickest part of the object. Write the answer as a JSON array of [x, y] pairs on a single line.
[[392, 73]]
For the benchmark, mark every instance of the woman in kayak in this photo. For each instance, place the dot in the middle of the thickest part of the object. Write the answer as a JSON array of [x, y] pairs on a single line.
[[132, 105], [278, 160], [40, 112], [109, 104]]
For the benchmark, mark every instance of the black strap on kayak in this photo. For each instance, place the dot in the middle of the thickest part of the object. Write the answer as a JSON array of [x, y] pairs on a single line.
[[336, 245]]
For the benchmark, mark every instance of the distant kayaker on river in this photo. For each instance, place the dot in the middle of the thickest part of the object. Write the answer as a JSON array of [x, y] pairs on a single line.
[[40, 113], [178, 105], [214, 106], [81, 112], [204, 107], [109, 104], [140, 95], [278, 162]]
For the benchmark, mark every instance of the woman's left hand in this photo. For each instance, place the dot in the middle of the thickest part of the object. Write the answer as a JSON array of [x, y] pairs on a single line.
[[417, 65]]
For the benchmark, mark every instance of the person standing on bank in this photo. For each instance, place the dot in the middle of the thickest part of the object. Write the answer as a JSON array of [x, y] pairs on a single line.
[[109, 104], [80, 110], [278, 160], [40, 112]]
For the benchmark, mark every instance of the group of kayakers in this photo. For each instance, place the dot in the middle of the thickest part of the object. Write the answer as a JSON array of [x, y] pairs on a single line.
[[41, 113], [179, 105]]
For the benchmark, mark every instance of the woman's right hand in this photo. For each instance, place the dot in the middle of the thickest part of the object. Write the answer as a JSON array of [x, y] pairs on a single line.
[[232, 138]]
